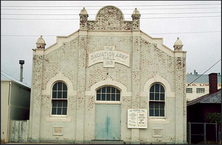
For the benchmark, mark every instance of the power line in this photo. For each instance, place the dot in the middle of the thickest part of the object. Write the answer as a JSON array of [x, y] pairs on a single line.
[[8, 75], [204, 72], [124, 14], [78, 19], [123, 8], [148, 33], [118, 5], [188, 32]]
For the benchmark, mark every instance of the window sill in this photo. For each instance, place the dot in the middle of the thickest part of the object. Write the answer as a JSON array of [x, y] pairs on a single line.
[[155, 120], [58, 118], [107, 102]]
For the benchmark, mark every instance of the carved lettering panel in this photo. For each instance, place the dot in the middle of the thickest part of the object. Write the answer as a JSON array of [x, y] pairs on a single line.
[[109, 57]]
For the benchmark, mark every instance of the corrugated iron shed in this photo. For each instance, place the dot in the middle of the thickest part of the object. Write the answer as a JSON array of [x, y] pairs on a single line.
[[6, 77], [208, 98]]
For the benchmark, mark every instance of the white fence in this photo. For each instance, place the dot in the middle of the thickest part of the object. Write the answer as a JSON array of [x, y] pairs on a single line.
[[19, 130]]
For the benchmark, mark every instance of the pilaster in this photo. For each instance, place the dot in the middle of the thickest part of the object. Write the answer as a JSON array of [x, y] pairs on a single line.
[[81, 86], [180, 99], [36, 95], [81, 80], [135, 70]]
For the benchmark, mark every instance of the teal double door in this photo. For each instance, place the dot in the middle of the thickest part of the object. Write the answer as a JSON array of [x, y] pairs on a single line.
[[107, 122]]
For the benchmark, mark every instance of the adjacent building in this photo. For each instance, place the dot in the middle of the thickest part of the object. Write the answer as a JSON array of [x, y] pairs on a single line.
[[198, 85], [198, 109], [15, 104], [108, 81]]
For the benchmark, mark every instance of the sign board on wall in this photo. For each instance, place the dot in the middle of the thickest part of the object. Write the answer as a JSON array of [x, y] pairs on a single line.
[[203, 85], [137, 118], [109, 57]]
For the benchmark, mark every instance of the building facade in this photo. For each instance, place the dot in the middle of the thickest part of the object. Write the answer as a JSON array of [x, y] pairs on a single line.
[[108, 81], [198, 85]]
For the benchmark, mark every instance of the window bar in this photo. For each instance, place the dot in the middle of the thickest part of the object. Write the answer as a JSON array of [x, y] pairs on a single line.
[[62, 106], [56, 108], [105, 93], [115, 94]]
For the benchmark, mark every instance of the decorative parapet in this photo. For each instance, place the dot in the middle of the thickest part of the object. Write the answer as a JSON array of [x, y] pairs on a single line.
[[40, 44], [83, 19], [110, 18], [136, 20], [178, 45]]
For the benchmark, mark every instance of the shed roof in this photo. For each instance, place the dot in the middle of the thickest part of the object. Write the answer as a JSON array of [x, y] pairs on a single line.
[[208, 98], [5, 76]]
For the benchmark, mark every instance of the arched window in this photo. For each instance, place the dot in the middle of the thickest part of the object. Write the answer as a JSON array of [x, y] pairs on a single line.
[[59, 99], [157, 100], [108, 93]]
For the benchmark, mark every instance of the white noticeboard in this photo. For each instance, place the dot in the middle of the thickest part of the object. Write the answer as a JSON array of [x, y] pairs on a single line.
[[137, 118]]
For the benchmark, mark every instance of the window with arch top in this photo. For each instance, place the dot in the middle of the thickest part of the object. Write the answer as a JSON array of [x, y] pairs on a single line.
[[108, 93], [157, 100], [59, 99]]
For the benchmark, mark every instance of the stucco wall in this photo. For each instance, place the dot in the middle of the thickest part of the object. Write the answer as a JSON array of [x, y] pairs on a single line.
[[156, 62], [68, 61], [64, 60], [120, 73]]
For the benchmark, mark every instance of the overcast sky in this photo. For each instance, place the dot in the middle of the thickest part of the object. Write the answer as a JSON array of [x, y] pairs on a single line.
[[197, 24]]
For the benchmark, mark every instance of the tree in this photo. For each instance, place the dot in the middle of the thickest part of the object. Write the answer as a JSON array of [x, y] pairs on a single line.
[[214, 118]]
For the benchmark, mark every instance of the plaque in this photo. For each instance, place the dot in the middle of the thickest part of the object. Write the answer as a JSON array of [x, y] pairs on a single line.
[[137, 118]]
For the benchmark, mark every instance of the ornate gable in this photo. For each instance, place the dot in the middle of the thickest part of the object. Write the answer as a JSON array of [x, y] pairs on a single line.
[[110, 13], [109, 18]]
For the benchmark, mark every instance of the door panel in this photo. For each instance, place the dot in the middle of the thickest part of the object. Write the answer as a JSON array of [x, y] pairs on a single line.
[[107, 123], [114, 122], [101, 123]]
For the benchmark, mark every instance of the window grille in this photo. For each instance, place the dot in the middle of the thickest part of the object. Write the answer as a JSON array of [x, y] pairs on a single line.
[[157, 100], [200, 90], [59, 99], [189, 90], [108, 93]]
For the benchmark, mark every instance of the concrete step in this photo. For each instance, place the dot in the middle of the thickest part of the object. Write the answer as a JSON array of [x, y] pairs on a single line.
[[107, 142]]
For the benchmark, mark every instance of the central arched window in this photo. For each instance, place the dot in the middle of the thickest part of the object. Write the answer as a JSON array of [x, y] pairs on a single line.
[[59, 99], [157, 100], [108, 93]]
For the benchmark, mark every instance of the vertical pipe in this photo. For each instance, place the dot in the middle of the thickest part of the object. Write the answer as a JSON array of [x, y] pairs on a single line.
[[204, 132], [21, 62], [21, 71], [189, 133]]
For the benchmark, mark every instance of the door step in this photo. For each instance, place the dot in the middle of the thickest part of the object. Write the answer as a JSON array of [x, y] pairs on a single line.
[[107, 142]]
